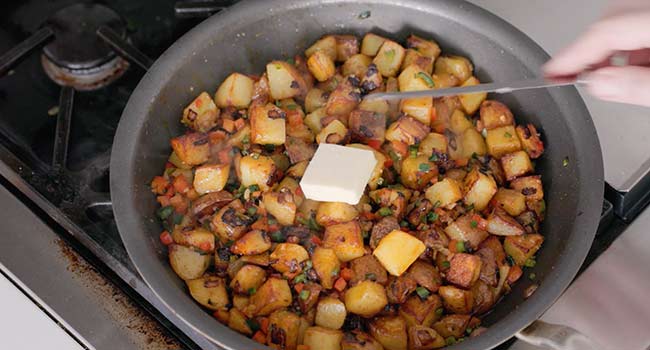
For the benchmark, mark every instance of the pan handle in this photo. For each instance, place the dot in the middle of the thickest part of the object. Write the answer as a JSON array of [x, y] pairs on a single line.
[[557, 337]]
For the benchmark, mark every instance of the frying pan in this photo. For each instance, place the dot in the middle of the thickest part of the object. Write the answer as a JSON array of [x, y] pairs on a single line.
[[247, 35]]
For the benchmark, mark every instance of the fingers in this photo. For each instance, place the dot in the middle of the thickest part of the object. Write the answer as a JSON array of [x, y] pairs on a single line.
[[620, 33], [621, 84]]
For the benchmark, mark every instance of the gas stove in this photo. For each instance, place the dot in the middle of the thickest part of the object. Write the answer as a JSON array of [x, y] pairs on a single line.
[[66, 72]]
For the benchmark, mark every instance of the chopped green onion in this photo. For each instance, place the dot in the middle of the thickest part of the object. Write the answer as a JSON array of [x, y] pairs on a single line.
[[384, 211], [507, 134], [335, 272], [272, 221], [300, 278], [393, 156], [431, 216], [413, 151], [277, 103], [292, 107], [445, 264], [365, 234], [404, 223], [304, 294], [269, 148], [278, 237], [424, 167], [371, 276], [291, 61], [246, 139], [436, 204], [469, 330], [251, 211], [308, 264], [473, 223], [177, 218], [427, 79], [510, 260], [451, 340], [313, 225], [232, 258], [253, 325], [470, 207], [423, 293], [530, 262], [229, 243], [254, 188], [532, 276], [433, 158], [439, 311], [165, 212], [252, 291], [460, 246]]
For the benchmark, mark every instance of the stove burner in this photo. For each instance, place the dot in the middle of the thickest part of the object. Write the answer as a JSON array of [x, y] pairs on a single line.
[[77, 56]]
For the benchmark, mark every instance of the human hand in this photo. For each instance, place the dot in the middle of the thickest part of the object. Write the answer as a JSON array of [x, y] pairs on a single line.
[[590, 53]]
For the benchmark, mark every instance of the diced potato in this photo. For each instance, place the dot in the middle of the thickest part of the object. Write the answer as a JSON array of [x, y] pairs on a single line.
[[323, 338], [260, 171], [424, 338], [236, 91], [427, 48], [529, 186], [458, 122], [479, 189], [530, 140], [230, 222], [327, 265], [516, 164], [209, 291], [444, 107], [413, 78], [417, 172], [330, 313], [284, 80], [484, 297], [308, 207], [407, 130], [366, 126], [421, 312], [330, 213], [240, 301], [237, 321], [202, 114], [374, 105], [457, 174], [466, 229], [397, 251], [392, 198], [472, 102], [371, 43], [458, 66], [315, 99], [273, 295], [452, 325], [281, 205], [366, 299], [456, 300], [222, 315], [371, 79], [501, 224], [345, 239], [512, 201], [356, 65], [346, 47], [257, 259], [418, 108], [334, 132], [239, 138], [445, 193], [331, 84], [523, 247], [389, 58], [495, 114], [445, 80], [198, 238], [249, 277], [326, 44], [284, 327], [321, 66], [177, 162], [358, 340], [393, 106], [211, 178], [252, 243], [313, 120], [502, 140], [188, 263], [433, 141], [267, 125], [290, 184], [390, 331], [287, 257], [464, 269], [413, 57], [192, 149], [472, 143], [345, 98]]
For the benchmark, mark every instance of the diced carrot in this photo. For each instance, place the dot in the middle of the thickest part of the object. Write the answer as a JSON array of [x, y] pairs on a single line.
[[159, 185], [256, 194], [217, 136], [264, 324], [260, 224], [376, 144], [260, 337], [514, 274], [239, 123], [166, 238], [228, 125], [179, 203], [452, 246], [274, 227], [303, 347], [198, 102], [316, 240], [192, 194], [299, 287], [180, 184], [163, 200], [347, 274], [340, 284], [224, 156], [170, 191], [368, 215], [388, 163], [206, 246], [400, 147], [299, 191]]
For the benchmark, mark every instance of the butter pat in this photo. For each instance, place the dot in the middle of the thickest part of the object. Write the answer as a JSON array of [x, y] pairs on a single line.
[[338, 174]]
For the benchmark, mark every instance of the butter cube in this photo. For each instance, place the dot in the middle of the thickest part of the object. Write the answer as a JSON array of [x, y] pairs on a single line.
[[338, 174], [397, 251]]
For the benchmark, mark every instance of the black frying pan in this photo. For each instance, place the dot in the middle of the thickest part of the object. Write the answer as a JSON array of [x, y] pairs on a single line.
[[247, 35]]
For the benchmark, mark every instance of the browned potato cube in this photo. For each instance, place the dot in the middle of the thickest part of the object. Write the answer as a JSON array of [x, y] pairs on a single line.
[[427, 48], [192, 149], [418, 108], [424, 338], [389, 58], [391, 198], [285, 81], [273, 295], [230, 222], [345, 98], [397, 251], [501, 224], [390, 331], [452, 325], [425, 275], [502, 140], [466, 229], [456, 300], [257, 170], [366, 126], [248, 279], [522, 247], [252, 243], [472, 144], [209, 291], [240, 301], [313, 120], [530, 140], [188, 263], [472, 102], [495, 114], [444, 193], [268, 126], [423, 312], [407, 130], [323, 338], [287, 257], [334, 132], [331, 84], [321, 66], [281, 205], [529, 186], [356, 65], [484, 297], [444, 108], [330, 313], [368, 267], [370, 81], [417, 172], [198, 238], [458, 66], [433, 141], [330, 213], [211, 178], [413, 57], [346, 47], [358, 340], [371, 43], [237, 321], [283, 330], [512, 201], [366, 299], [458, 122], [326, 44], [235, 91], [345, 239], [479, 189], [445, 80], [202, 114], [516, 164], [464, 269], [413, 78], [316, 98], [327, 265]]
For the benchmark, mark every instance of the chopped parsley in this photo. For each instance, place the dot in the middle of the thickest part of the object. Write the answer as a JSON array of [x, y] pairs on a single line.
[[431, 216], [335, 272], [436, 204], [510, 260]]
